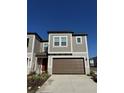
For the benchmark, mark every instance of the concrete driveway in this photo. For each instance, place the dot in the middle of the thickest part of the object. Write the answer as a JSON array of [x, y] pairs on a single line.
[[68, 84]]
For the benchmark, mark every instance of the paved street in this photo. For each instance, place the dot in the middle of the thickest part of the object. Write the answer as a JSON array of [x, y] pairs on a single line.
[[68, 84]]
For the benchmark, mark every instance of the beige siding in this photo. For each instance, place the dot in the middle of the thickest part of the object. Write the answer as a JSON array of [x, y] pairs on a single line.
[[60, 49], [79, 47], [37, 46], [29, 48], [41, 47]]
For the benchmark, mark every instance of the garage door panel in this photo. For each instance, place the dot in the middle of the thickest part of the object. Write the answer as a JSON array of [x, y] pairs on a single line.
[[74, 66]]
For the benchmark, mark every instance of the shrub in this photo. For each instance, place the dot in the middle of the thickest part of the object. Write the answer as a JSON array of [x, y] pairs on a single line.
[[35, 80], [94, 76], [92, 73], [32, 73]]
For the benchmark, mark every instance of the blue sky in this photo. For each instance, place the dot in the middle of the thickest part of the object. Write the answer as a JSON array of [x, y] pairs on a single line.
[[74, 15]]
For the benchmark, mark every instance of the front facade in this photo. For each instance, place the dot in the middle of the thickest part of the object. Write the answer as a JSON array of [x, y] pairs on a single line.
[[63, 53]]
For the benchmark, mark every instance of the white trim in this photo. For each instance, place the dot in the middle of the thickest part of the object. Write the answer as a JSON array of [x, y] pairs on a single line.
[[43, 47], [54, 41], [86, 47], [71, 42], [49, 43], [67, 56], [33, 44], [80, 39], [60, 40], [79, 52], [29, 53], [35, 68], [68, 52], [88, 64], [86, 43]]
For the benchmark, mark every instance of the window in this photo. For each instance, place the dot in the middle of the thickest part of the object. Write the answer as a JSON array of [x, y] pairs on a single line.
[[45, 47], [78, 40], [63, 41], [60, 41], [27, 42], [56, 41]]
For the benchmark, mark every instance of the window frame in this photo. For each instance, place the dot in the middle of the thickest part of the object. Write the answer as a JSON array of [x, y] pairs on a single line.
[[60, 41], [44, 46], [77, 40], [54, 41]]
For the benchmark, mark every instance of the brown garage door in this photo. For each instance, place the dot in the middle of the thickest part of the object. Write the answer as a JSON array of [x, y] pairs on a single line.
[[68, 66]]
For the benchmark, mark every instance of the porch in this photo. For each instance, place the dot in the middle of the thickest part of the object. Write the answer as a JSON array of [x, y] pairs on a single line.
[[42, 61]]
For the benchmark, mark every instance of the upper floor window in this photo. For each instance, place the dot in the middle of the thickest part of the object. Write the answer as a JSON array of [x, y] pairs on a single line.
[[79, 40], [27, 42], [60, 41], [56, 41], [63, 41], [45, 47]]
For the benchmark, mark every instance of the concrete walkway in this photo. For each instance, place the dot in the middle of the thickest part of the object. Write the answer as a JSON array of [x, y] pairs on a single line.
[[68, 84]]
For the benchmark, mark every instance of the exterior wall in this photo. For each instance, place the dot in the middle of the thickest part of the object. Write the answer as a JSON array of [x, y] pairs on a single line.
[[29, 56], [79, 47], [37, 46], [43, 45], [60, 49], [32, 49], [78, 51], [32, 63], [30, 44], [88, 64]]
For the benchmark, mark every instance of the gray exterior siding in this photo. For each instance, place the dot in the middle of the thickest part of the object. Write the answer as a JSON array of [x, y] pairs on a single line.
[[79, 47], [60, 49], [73, 50], [41, 47], [37, 46], [29, 48]]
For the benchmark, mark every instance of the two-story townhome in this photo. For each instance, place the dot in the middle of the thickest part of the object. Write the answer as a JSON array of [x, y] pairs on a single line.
[[36, 53], [64, 53], [67, 53]]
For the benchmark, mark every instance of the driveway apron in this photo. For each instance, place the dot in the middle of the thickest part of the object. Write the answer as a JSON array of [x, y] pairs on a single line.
[[68, 84]]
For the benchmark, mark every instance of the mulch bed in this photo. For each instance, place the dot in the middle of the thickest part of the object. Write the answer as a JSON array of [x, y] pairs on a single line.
[[35, 80]]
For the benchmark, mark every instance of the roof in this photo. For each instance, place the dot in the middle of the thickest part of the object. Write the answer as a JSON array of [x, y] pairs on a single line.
[[73, 34], [37, 36], [44, 40], [80, 34], [60, 32]]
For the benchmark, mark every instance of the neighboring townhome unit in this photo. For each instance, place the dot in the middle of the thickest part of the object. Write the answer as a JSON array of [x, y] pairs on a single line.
[[36, 53], [63, 53]]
